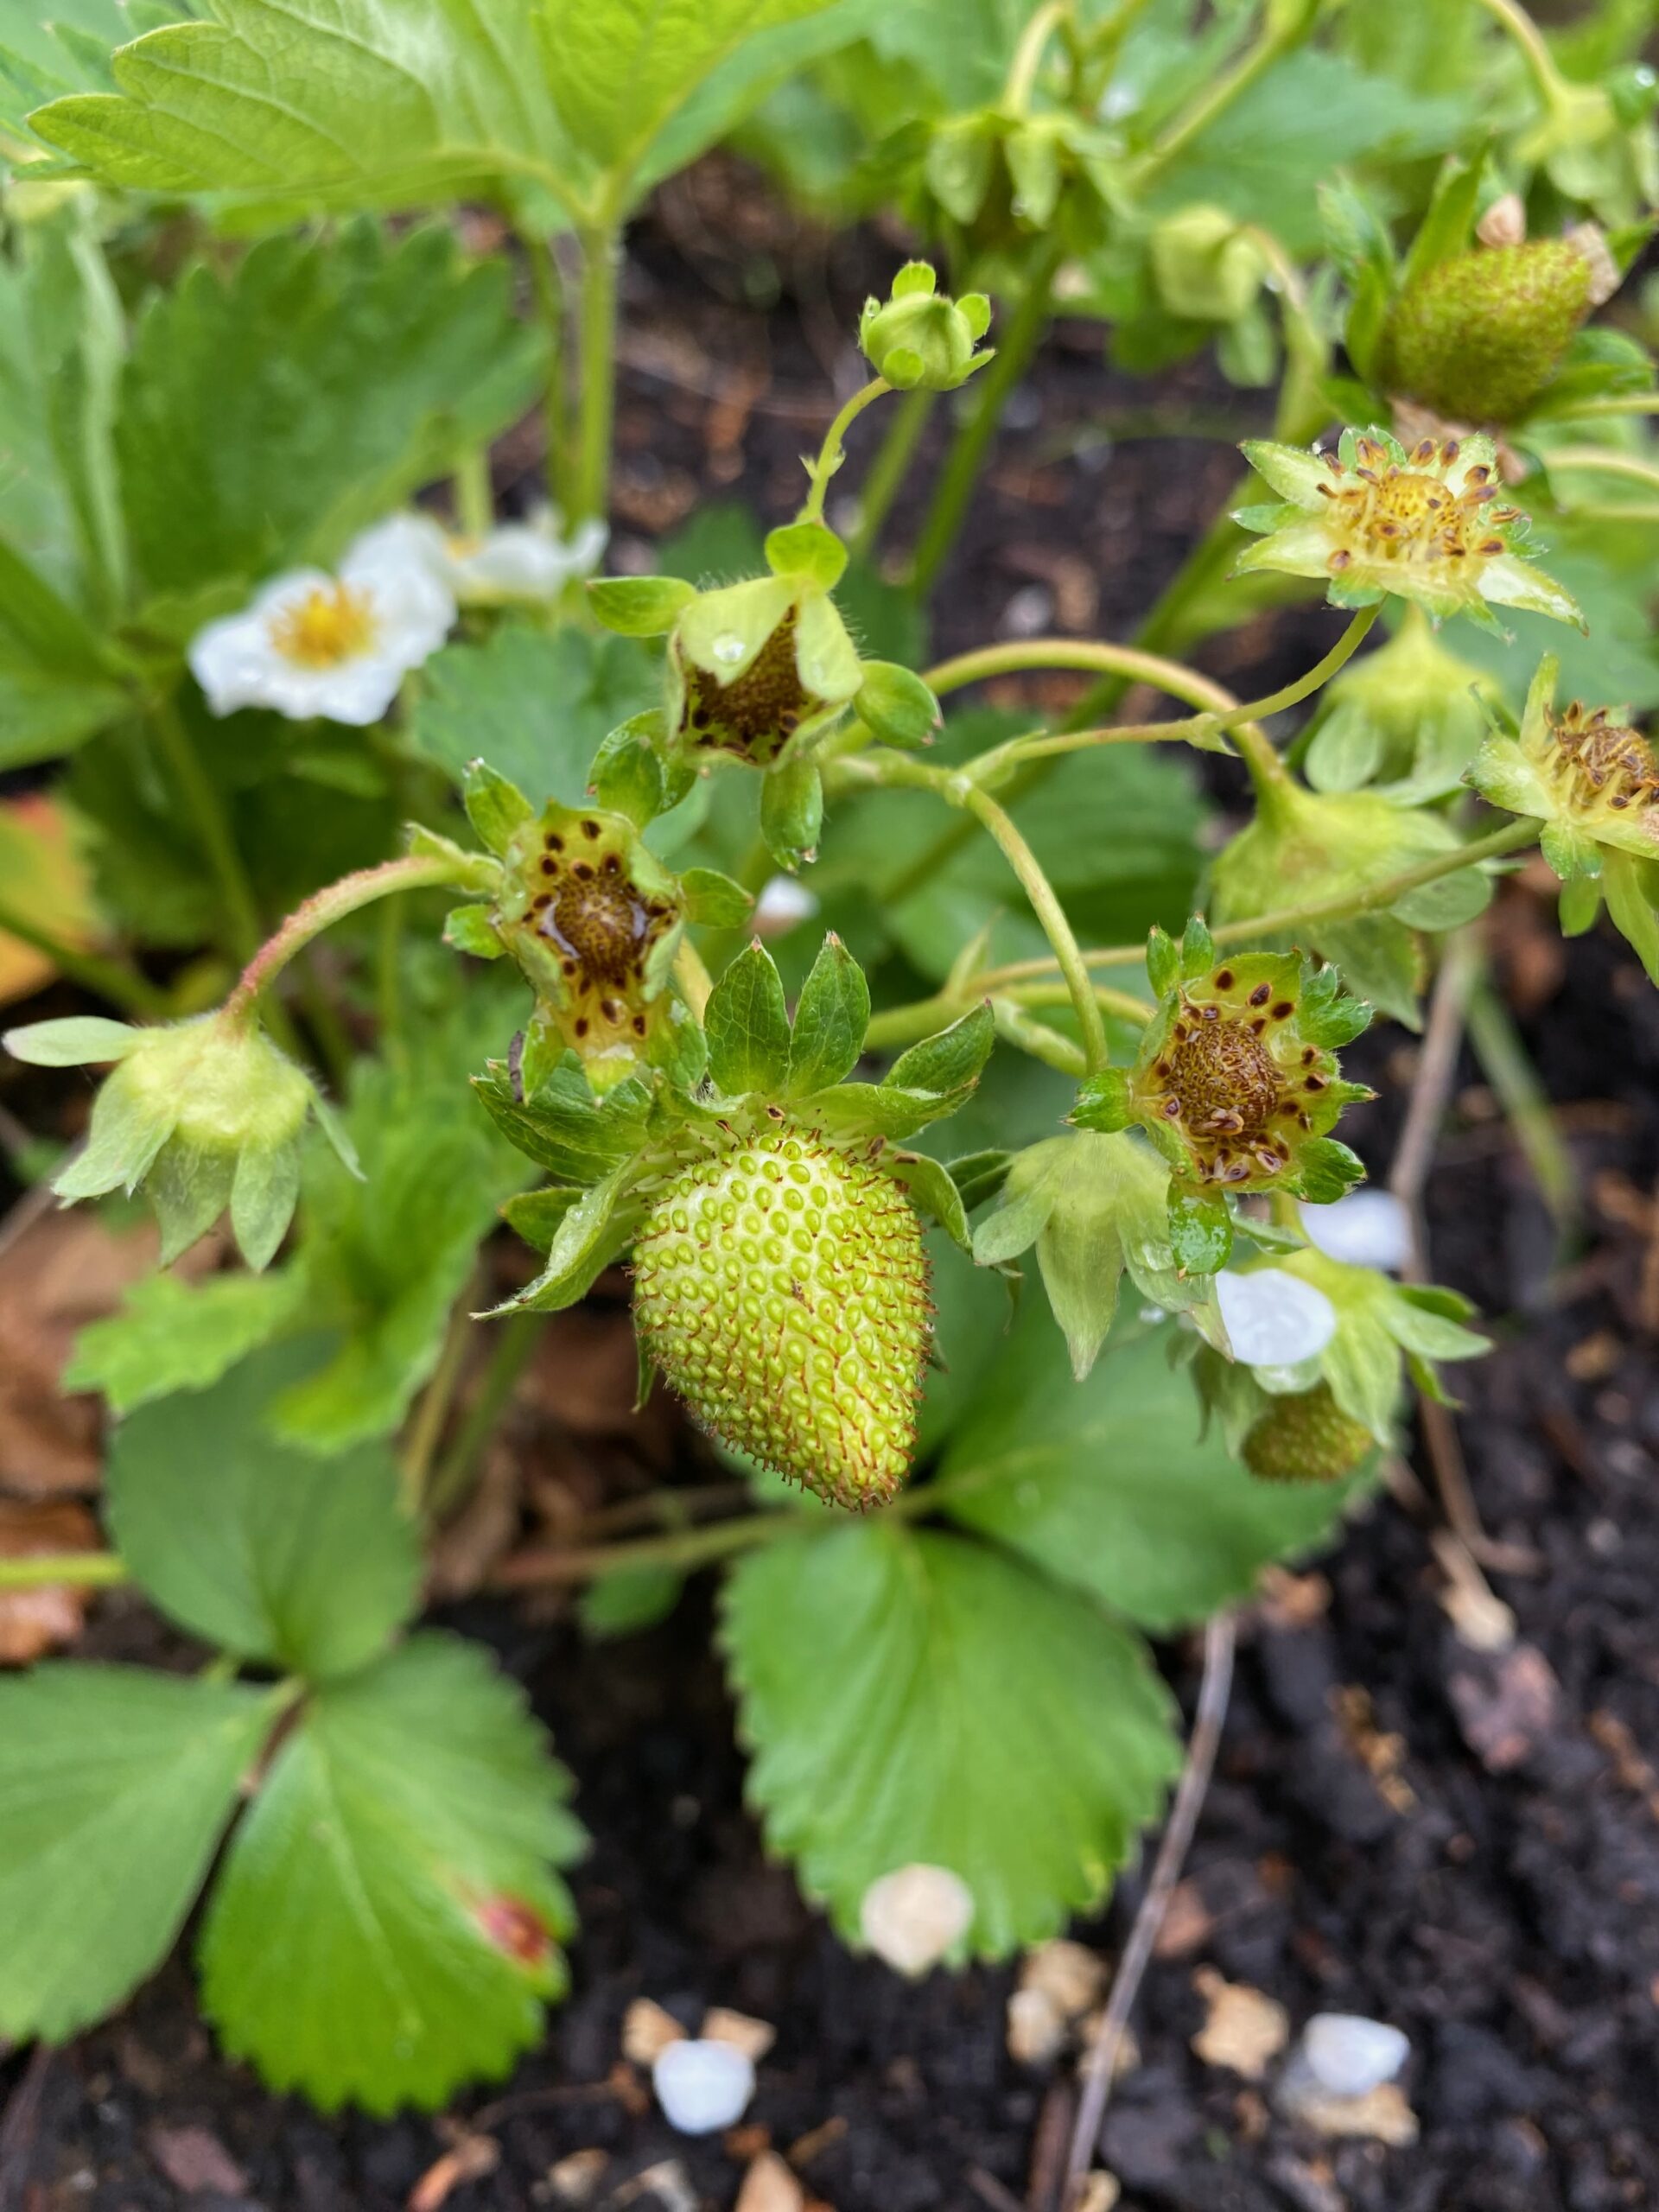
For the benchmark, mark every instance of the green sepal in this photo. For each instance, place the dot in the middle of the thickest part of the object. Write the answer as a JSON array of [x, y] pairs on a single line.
[[73, 1041], [1579, 905], [1326, 1169], [1631, 887], [949, 1062], [1163, 961], [1198, 947], [713, 900], [1103, 1100], [1200, 1231], [932, 1189], [831, 1019], [626, 777], [809, 551], [897, 706], [639, 607], [560, 1124], [469, 929], [596, 1230], [791, 811], [746, 1024], [537, 1216], [497, 810], [878, 1109], [979, 1175]]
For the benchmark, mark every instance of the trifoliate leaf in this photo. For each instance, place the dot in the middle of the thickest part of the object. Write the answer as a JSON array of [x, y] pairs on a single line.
[[917, 1697], [385, 1926], [174, 1335], [1107, 1484], [115, 1786], [748, 1026], [266, 417], [272, 1553]]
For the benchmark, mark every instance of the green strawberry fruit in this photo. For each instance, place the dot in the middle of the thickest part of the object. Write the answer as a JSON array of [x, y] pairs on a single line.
[[1480, 336], [1305, 1438], [781, 1286]]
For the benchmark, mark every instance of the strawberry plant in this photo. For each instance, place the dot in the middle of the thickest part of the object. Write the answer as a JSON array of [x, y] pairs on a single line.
[[465, 928]]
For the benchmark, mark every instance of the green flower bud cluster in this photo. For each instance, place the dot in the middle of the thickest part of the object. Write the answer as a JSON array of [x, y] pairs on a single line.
[[919, 338], [205, 1115]]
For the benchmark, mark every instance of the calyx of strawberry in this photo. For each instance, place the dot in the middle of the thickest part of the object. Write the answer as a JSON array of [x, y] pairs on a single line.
[[770, 1207]]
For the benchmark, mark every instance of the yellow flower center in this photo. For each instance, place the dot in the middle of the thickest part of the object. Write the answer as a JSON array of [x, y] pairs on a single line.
[[1381, 512], [332, 624]]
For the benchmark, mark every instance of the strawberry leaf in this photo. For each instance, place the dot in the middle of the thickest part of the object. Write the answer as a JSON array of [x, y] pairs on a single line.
[[385, 1924]]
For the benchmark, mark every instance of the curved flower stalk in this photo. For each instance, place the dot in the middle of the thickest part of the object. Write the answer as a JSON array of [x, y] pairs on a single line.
[[205, 1115], [1372, 520], [336, 646], [769, 1207], [1593, 782]]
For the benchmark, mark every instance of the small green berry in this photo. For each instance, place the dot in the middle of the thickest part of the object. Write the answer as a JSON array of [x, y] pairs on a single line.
[[1477, 337], [781, 1286], [1305, 1438]]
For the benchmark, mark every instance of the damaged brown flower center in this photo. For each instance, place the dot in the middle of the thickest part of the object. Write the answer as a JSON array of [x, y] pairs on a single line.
[[756, 714], [1605, 757], [1222, 1075], [600, 922]]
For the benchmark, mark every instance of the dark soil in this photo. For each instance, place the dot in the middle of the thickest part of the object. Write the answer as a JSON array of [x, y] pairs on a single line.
[[1464, 1845]]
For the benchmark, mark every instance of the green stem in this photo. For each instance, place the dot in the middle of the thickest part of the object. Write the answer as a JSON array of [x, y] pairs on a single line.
[[419, 871], [549, 294], [212, 824], [81, 1570], [1130, 661], [515, 1342], [1503, 1061], [1015, 345], [898, 1025], [831, 453], [114, 979], [1603, 461], [420, 1441], [1552, 86], [889, 468], [475, 496], [1051, 915], [388, 985], [1028, 56], [1219, 96], [601, 252], [1341, 907], [1616, 403]]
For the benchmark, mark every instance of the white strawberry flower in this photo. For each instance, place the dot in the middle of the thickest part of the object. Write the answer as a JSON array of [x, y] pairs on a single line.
[[336, 646], [1273, 1319], [516, 562]]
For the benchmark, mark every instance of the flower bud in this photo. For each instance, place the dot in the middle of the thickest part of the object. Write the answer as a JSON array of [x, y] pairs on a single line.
[[1206, 265], [1477, 337], [206, 1113], [1407, 716], [920, 336]]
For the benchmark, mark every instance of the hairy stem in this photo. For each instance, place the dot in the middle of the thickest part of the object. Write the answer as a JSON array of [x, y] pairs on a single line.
[[831, 451], [419, 871], [1551, 87], [548, 291], [1028, 56]]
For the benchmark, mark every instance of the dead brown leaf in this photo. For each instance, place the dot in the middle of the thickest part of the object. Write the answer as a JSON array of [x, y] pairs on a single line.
[[1243, 2029]]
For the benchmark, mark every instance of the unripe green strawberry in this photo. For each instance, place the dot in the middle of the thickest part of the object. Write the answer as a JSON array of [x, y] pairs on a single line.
[[781, 1286], [1305, 1438], [1480, 336]]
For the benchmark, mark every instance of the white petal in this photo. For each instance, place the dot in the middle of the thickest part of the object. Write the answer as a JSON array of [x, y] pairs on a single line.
[[784, 903], [703, 2084], [1368, 1229], [1272, 1318], [1350, 2056], [913, 1916], [401, 542]]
